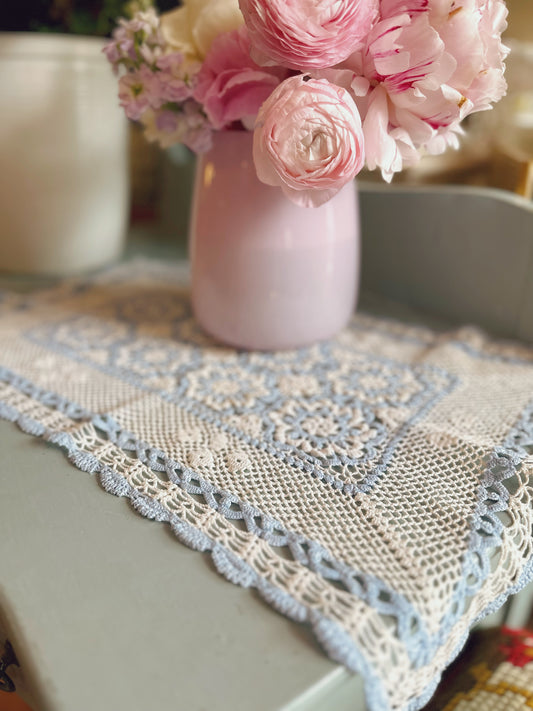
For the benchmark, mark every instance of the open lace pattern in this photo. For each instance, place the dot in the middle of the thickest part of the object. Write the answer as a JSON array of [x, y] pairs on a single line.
[[375, 486]]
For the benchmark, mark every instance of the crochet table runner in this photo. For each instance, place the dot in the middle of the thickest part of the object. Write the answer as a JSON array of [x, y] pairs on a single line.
[[375, 486]]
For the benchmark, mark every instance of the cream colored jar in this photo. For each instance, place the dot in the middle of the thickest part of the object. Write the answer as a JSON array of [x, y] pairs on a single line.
[[63, 156]]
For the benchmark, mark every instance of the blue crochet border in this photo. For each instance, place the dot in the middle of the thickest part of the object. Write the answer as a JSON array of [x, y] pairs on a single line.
[[309, 553], [486, 535], [421, 402]]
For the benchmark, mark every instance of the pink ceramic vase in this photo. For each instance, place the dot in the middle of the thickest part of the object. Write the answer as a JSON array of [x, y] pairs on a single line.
[[267, 274]]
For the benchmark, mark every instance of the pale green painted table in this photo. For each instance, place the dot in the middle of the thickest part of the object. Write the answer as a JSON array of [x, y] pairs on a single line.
[[107, 612]]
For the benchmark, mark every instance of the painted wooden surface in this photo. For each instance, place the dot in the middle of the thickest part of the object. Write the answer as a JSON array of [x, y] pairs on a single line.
[[107, 611]]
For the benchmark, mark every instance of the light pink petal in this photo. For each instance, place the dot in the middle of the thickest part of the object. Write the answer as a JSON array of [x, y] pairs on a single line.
[[308, 139], [305, 34], [430, 63], [230, 85]]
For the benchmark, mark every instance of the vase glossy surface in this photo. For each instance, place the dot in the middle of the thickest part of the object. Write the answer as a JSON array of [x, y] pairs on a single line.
[[267, 274]]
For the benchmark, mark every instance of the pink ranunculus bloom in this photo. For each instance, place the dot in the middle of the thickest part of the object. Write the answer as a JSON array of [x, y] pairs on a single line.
[[429, 64], [230, 85], [308, 140], [303, 34]]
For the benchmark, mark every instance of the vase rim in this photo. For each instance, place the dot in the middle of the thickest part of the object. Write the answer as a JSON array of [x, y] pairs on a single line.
[[41, 45]]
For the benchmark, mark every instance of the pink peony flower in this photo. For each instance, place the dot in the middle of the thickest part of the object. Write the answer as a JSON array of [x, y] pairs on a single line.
[[308, 140], [471, 32], [302, 34], [429, 63], [230, 85]]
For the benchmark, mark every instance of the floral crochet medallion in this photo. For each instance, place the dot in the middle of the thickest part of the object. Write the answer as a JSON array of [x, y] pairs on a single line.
[[375, 486]]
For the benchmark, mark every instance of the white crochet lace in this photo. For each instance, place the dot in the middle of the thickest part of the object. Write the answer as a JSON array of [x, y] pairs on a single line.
[[376, 486]]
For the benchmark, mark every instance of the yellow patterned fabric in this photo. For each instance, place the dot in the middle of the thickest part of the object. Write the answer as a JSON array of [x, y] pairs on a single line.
[[494, 673]]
